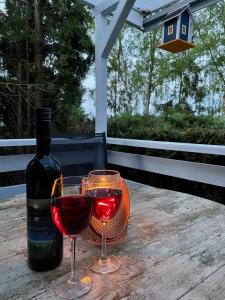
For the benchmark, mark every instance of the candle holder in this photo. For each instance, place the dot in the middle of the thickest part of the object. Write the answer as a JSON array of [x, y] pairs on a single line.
[[116, 229]]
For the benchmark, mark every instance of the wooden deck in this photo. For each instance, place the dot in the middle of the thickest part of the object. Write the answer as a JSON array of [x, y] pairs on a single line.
[[174, 249]]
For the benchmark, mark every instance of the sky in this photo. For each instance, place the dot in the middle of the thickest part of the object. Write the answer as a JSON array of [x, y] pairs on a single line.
[[2, 5], [88, 100]]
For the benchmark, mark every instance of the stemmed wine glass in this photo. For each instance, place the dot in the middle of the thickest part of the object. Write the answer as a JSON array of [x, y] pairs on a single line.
[[71, 212], [104, 187]]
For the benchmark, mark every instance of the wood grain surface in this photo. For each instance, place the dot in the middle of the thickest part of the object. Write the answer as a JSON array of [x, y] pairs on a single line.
[[174, 249]]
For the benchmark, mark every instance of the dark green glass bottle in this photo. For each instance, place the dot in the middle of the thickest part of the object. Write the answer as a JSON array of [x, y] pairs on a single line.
[[44, 241]]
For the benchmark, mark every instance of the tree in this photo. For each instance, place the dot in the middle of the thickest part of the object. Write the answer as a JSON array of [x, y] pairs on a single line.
[[149, 73], [121, 84], [45, 53], [210, 33], [133, 70], [198, 73]]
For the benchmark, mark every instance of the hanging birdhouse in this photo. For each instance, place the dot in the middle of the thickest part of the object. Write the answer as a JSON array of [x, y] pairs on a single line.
[[177, 30]]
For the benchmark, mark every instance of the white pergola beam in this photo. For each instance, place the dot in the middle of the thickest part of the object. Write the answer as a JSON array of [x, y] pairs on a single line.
[[119, 18], [106, 8], [135, 19], [91, 3], [152, 5]]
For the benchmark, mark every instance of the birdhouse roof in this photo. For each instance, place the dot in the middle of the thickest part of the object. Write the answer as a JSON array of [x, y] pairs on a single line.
[[177, 13]]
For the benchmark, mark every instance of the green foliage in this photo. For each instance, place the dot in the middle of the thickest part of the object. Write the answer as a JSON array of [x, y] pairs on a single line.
[[174, 127], [134, 70], [43, 64]]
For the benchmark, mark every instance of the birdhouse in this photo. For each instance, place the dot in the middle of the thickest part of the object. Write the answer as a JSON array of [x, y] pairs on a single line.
[[177, 30]]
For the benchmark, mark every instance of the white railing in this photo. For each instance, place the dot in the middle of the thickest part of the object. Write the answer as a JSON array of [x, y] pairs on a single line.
[[17, 142], [205, 173], [185, 147]]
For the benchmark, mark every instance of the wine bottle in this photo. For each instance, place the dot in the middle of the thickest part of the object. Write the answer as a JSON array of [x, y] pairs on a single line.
[[44, 241]]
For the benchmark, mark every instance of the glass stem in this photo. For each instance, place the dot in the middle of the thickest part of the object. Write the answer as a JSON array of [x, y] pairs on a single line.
[[73, 258], [104, 255]]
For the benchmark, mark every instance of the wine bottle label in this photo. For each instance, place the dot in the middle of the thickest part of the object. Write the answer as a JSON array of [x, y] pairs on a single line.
[[41, 230], [39, 204]]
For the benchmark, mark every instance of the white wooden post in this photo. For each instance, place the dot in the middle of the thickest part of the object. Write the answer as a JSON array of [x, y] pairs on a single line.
[[105, 37], [100, 75]]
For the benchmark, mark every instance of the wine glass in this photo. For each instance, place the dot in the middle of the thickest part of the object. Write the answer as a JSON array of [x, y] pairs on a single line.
[[104, 187], [71, 212]]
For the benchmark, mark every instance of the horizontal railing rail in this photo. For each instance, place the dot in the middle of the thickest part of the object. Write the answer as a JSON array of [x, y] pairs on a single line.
[[32, 142], [17, 142], [169, 146], [205, 173], [11, 163]]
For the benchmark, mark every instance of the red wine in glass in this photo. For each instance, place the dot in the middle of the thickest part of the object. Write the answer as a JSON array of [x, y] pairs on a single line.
[[105, 202], [71, 213]]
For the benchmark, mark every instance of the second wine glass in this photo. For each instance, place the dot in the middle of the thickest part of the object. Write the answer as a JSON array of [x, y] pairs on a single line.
[[104, 187]]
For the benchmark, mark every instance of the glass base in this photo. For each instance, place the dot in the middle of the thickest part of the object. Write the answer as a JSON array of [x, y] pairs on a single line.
[[67, 290], [105, 266]]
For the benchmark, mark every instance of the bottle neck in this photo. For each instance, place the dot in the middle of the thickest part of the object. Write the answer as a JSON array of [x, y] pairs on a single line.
[[43, 147], [43, 138]]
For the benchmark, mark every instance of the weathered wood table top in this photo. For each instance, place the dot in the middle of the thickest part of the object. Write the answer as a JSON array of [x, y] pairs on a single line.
[[174, 249]]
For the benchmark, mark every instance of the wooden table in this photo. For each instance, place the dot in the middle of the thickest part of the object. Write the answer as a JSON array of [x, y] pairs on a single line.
[[174, 249]]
